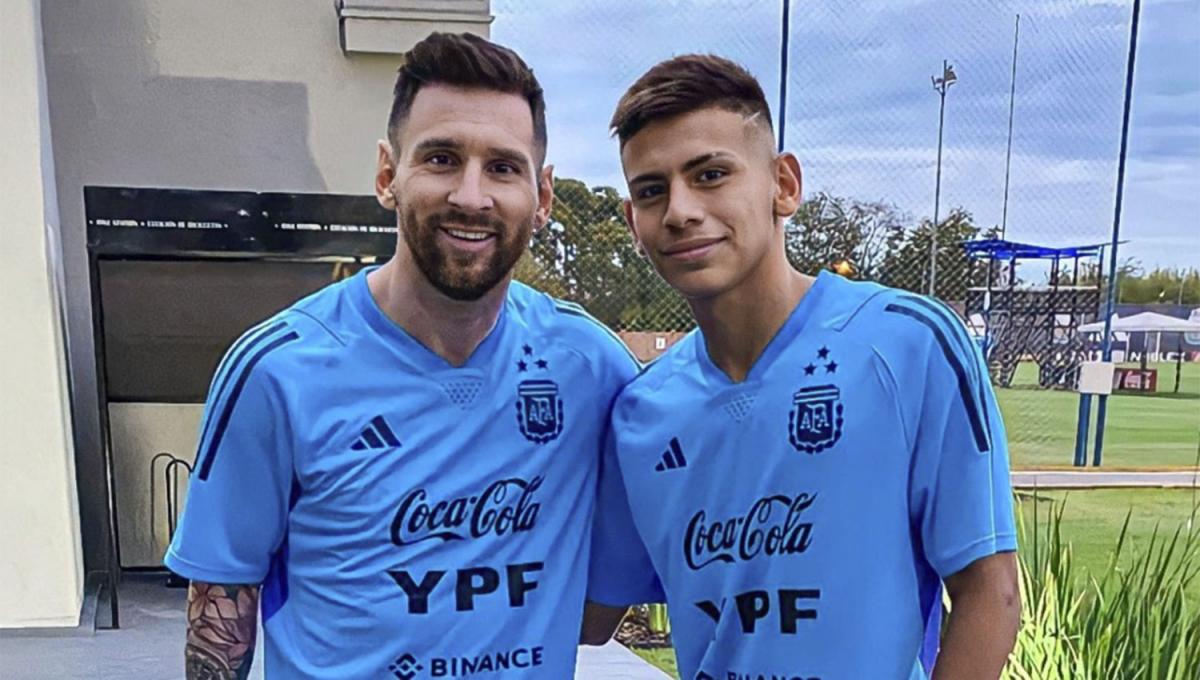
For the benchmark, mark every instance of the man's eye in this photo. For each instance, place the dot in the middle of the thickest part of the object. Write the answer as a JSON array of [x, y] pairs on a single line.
[[712, 174], [439, 159], [505, 169], [648, 192]]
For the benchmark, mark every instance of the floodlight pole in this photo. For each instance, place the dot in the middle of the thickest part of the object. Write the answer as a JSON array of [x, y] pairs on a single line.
[[940, 85], [1012, 100]]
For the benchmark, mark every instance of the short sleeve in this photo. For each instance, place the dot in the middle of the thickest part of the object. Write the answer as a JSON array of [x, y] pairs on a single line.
[[237, 503], [961, 492], [620, 572]]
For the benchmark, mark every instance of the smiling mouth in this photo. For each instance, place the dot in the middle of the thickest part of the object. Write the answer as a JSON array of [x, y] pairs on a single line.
[[692, 249], [469, 235]]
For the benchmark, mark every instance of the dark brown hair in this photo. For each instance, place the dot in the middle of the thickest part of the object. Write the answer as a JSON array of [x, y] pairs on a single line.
[[685, 84], [466, 60]]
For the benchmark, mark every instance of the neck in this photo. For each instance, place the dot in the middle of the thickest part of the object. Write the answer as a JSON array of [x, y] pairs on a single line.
[[739, 323], [452, 329]]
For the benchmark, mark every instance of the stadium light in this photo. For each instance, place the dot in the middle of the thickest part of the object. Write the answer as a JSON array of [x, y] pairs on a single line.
[[940, 85]]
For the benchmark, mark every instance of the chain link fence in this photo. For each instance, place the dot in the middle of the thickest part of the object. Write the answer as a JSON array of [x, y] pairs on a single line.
[[862, 114]]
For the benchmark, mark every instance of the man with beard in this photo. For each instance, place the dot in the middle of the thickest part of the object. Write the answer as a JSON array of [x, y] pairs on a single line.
[[400, 469]]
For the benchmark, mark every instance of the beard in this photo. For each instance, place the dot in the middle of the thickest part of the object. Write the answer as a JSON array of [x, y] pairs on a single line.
[[460, 275]]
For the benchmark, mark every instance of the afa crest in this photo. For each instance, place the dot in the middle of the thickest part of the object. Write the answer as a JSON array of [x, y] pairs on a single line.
[[815, 422], [539, 410]]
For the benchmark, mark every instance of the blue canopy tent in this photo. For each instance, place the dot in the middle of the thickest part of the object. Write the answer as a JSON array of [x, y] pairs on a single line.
[[999, 249]]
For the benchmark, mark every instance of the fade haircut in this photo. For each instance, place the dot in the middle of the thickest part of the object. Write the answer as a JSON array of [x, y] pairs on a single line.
[[466, 60], [685, 84]]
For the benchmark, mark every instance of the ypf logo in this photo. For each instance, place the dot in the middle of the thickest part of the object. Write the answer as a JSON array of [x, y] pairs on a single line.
[[405, 667]]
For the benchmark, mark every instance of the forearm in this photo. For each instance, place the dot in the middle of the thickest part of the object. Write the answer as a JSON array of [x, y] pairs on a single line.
[[980, 634], [222, 623]]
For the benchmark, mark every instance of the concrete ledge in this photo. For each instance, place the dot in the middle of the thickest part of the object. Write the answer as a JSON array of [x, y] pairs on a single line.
[[394, 26], [1056, 479], [93, 588], [614, 662]]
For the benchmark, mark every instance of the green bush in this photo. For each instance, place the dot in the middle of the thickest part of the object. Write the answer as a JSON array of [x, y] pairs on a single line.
[[1134, 623]]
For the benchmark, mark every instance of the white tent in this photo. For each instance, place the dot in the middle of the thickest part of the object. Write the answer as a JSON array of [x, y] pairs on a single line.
[[1150, 322], [1146, 322]]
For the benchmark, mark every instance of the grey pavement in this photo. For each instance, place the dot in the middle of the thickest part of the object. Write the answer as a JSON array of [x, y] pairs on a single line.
[[613, 661], [1101, 478], [149, 646]]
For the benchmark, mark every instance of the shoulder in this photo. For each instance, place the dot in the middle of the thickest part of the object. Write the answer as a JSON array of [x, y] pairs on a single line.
[[280, 349], [920, 344], [898, 325], [660, 376], [571, 326]]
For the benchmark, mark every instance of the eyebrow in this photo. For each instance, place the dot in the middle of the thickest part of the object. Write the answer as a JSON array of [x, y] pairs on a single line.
[[511, 155], [690, 165], [437, 143]]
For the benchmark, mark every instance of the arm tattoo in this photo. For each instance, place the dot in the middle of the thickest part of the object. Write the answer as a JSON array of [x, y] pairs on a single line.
[[221, 631]]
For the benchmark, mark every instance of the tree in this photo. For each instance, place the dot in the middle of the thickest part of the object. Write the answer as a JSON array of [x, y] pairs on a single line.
[[1159, 285], [829, 229], [906, 264], [587, 255]]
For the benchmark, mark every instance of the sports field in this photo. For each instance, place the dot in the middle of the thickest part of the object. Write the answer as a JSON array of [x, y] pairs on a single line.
[[1092, 521], [1144, 430]]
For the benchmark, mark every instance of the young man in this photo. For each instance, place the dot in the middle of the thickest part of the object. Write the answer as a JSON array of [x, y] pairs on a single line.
[[808, 467], [401, 468]]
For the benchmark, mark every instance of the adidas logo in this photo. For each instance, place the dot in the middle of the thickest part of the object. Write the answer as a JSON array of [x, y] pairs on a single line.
[[672, 458], [377, 436]]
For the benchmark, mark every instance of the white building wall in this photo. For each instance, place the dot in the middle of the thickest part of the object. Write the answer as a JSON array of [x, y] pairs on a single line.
[[41, 567]]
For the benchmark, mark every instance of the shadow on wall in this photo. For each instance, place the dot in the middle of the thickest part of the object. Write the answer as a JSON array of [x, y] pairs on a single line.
[[116, 120]]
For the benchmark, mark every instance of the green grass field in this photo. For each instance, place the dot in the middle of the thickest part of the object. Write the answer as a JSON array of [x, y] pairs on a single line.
[[1144, 430], [660, 658], [1092, 522]]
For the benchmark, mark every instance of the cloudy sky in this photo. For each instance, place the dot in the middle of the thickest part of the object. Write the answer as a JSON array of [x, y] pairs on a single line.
[[862, 115]]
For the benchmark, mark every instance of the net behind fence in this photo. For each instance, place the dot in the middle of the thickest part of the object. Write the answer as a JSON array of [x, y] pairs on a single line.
[[866, 83]]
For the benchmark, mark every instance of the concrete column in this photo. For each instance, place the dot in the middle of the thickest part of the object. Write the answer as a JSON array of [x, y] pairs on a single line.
[[41, 568]]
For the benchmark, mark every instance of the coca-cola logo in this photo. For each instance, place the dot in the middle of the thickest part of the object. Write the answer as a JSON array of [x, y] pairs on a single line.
[[774, 525], [506, 506]]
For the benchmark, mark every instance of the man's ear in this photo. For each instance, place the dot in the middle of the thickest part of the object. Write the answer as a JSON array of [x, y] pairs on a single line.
[[385, 175], [545, 197], [637, 242], [788, 185]]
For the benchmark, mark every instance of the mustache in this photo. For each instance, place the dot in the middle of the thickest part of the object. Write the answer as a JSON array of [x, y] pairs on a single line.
[[465, 219]]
